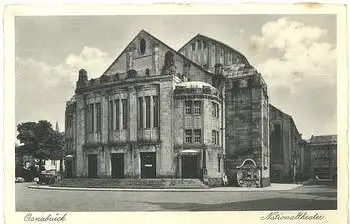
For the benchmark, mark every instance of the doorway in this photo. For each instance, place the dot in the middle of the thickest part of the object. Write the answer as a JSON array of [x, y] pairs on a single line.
[[148, 164], [117, 160], [190, 166], [92, 164], [69, 168]]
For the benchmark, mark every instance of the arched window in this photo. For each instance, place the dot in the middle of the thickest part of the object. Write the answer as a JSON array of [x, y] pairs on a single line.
[[142, 46]]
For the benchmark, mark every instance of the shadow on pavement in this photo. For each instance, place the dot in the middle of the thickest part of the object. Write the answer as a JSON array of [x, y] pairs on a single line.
[[255, 205]]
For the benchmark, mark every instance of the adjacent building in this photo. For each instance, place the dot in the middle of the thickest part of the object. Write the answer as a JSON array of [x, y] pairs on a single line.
[[321, 156], [156, 112]]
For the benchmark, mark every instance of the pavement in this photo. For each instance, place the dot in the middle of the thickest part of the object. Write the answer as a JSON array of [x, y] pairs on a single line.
[[273, 187], [310, 197]]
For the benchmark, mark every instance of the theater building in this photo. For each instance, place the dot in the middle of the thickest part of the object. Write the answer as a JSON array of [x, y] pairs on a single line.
[[161, 113]]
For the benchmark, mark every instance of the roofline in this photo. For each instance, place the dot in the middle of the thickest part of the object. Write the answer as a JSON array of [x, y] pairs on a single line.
[[143, 31], [219, 42], [287, 115]]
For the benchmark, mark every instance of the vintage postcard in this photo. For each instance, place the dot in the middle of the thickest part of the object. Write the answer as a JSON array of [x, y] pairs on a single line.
[[176, 113]]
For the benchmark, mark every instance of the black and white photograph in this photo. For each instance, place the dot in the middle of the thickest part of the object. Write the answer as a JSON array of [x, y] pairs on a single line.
[[177, 113]]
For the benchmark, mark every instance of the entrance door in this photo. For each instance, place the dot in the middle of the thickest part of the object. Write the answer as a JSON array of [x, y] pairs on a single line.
[[189, 167], [69, 168], [92, 164], [148, 164], [117, 160]]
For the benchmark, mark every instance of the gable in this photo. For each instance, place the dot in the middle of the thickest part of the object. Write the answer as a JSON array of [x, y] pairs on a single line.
[[147, 56]]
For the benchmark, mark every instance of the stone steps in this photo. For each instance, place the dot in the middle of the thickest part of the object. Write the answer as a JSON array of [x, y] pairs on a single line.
[[162, 183]]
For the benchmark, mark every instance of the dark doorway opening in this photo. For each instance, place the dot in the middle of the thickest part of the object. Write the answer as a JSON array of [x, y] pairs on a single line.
[[190, 166], [69, 168], [92, 164], [148, 164], [117, 160]]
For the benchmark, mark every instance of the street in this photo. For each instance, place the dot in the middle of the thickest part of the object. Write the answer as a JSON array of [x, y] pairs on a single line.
[[310, 197]]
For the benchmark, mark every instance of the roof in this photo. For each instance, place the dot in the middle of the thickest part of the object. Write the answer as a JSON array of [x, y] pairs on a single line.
[[194, 84], [161, 42], [323, 139], [211, 39]]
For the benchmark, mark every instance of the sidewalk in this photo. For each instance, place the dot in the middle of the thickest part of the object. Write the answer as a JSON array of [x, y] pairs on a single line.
[[273, 187]]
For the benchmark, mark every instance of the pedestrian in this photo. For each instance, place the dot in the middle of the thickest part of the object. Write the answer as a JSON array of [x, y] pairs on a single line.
[[224, 179]]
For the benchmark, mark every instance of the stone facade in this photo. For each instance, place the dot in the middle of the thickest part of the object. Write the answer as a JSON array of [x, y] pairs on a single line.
[[198, 112], [287, 148]]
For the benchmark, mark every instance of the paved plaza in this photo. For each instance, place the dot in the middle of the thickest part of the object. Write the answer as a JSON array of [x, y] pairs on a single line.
[[310, 197]]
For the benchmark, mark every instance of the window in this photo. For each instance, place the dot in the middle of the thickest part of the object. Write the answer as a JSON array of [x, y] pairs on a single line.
[[215, 110], [111, 115], [215, 137], [140, 112], [219, 164], [117, 114], [197, 107], [197, 136], [155, 111], [90, 118], [142, 46], [188, 136], [125, 113], [193, 46], [148, 111], [188, 107], [204, 44], [98, 117], [199, 45]]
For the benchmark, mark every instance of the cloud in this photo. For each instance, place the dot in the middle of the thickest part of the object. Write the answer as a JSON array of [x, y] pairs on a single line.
[[42, 89], [301, 76]]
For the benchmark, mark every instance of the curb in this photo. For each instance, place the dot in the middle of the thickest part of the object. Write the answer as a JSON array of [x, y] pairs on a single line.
[[45, 187]]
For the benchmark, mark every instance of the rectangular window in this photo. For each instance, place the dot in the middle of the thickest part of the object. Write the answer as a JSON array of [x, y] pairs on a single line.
[[197, 107], [188, 136], [197, 136], [219, 164], [98, 117], [140, 112], [148, 111], [204, 44], [155, 111], [213, 137], [90, 118], [125, 113], [199, 45], [111, 116], [217, 138], [117, 114], [188, 107], [213, 109]]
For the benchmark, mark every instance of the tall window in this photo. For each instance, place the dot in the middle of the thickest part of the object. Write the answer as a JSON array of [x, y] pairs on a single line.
[[188, 136], [200, 45], [155, 111], [148, 111], [188, 107], [125, 113], [90, 118], [117, 114], [215, 110], [111, 116], [197, 107], [193, 46], [219, 164], [140, 112], [197, 136], [215, 137], [98, 117]]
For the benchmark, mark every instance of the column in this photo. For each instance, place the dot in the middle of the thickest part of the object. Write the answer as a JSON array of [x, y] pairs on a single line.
[[151, 111], [144, 111], [120, 114]]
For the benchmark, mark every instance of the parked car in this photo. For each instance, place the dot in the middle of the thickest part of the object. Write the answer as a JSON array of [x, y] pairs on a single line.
[[47, 177], [19, 180]]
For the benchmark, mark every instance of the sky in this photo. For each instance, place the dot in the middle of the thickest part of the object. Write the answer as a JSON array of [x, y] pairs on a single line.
[[296, 55]]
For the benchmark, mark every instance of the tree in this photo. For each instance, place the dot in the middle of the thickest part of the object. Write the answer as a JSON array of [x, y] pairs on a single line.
[[40, 140]]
